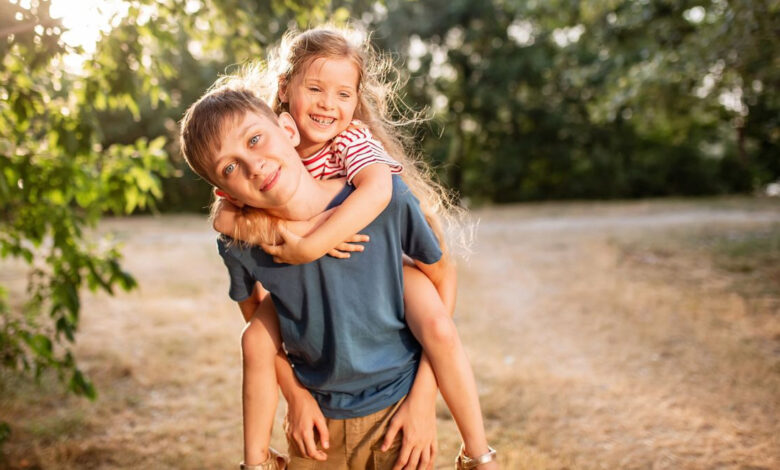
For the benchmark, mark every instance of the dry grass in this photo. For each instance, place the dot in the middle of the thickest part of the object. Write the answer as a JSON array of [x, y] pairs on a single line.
[[637, 335]]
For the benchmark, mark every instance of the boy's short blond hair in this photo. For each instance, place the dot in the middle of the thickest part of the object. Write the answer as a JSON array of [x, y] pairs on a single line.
[[205, 122]]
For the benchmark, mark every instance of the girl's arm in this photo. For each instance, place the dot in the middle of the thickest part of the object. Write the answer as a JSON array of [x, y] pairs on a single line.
[[247, 224], [373, 190]]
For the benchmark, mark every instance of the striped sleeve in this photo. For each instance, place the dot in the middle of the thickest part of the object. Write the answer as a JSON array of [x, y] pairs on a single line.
[[356, 148]]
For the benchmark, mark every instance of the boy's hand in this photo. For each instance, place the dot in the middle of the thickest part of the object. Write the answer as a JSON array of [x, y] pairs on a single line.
[[304, 421], [416, 420], [299, 250]]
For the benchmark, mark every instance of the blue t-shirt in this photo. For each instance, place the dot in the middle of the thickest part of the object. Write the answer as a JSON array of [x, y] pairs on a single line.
[[342, 320]]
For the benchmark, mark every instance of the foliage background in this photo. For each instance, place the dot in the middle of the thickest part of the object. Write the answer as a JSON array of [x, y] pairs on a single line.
[[528, 100]]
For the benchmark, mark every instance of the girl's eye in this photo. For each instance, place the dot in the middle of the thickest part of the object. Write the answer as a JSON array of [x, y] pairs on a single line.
[[314, 89], [345, 95], [254, 140], [229, 169]]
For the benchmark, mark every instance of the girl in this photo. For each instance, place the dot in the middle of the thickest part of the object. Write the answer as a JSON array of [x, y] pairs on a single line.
[[334, 91]]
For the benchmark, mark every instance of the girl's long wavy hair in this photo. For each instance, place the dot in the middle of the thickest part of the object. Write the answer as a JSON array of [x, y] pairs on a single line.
[[379, 107]]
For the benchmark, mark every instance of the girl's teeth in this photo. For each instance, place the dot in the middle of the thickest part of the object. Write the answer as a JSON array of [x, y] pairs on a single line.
[[323, 120]]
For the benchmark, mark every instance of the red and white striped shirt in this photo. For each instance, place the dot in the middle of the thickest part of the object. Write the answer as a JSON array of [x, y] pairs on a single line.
[[349, 152]]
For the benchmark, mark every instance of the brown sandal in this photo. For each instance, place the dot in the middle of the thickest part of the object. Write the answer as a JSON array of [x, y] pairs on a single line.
[[275, 461]]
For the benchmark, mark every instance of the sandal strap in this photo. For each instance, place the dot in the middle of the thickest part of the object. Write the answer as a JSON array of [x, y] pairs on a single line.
[[275, 461], [466, 463]]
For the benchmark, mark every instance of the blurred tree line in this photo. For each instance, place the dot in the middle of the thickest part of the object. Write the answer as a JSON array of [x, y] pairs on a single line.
[[595, 99], [529, 100]]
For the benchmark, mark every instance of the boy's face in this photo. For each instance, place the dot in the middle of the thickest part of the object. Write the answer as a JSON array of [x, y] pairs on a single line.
[[257, 164]]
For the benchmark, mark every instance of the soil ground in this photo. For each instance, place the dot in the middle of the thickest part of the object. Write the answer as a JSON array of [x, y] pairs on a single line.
[[633, 335]]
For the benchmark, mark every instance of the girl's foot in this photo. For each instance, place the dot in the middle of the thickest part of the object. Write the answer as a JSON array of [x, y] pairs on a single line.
[[275, 461]]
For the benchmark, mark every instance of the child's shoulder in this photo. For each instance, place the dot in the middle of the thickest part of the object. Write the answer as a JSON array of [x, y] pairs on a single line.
[[356, 131]]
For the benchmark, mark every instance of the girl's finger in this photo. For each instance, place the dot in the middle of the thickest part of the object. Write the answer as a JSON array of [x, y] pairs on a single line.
[[338, 254], [349, 247], [271, 249]]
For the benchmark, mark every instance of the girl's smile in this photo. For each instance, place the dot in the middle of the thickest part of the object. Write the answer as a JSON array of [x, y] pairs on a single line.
[[322, 101]]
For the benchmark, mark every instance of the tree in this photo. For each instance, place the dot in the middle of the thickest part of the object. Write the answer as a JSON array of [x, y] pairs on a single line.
[[594, 99], [75, 146], [56, 180]]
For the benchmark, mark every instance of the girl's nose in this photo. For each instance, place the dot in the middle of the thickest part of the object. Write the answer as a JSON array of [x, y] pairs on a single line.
[[326, 101]]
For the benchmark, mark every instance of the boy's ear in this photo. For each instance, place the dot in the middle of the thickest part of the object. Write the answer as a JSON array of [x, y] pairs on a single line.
[[287, 123], [227, 196]]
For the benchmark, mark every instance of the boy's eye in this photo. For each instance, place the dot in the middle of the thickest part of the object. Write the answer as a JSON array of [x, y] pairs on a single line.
[[314, 88], [344, 94], [229, 169], [254, 140]]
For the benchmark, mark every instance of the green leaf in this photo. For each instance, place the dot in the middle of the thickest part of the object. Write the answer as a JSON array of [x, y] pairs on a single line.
[[40, 345], [81, 386]]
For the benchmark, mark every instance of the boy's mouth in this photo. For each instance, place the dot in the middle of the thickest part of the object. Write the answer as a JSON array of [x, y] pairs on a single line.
[[323, 120], [270, 180]]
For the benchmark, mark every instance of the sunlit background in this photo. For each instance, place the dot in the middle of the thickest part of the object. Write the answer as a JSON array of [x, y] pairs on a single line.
[[621, 158]]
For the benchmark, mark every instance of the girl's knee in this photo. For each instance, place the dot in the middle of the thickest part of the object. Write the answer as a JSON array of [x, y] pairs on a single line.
[[438, 331], [256, 343]]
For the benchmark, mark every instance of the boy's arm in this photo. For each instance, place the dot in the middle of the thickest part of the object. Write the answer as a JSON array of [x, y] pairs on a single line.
[[416, 419], [303, 413], [373, 190]]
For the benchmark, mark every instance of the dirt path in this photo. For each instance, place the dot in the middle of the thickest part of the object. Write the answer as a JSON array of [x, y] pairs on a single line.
[[593, 359], [588, 354]]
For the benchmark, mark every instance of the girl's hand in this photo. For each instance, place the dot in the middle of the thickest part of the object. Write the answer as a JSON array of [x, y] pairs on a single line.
[[304, 421], [225, 217], [343, 249], [299, 250], [416, 420]]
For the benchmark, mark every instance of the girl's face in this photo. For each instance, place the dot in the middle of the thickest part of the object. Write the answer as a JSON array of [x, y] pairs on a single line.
[[322, 101]]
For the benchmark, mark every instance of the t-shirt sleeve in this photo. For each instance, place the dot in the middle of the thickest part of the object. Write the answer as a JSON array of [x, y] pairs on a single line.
[[417, 238], [242, 283], [356, 148]]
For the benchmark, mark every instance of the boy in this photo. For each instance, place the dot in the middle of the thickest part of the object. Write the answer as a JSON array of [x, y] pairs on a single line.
[[341, 321]]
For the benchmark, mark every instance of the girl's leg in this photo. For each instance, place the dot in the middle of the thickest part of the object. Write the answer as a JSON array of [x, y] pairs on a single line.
[[260, 342], [434, 329]]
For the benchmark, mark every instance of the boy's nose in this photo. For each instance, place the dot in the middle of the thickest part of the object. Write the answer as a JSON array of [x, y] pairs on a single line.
[[256, 167]]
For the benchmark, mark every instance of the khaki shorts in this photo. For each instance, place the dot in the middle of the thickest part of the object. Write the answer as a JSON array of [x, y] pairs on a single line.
[[354, 444]]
